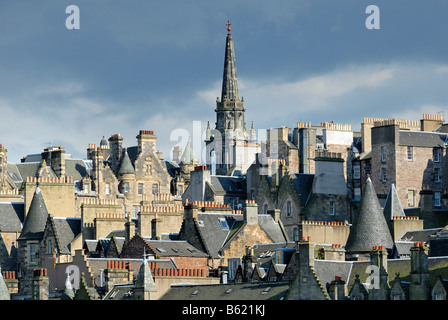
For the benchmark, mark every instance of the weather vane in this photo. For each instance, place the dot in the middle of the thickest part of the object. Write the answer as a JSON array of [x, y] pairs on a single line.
[[228, 24]]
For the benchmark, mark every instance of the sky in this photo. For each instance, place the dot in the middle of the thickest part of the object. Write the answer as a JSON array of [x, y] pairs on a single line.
[[157, 65]]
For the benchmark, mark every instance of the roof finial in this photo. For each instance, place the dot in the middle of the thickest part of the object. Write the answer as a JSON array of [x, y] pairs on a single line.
[[228, 24]]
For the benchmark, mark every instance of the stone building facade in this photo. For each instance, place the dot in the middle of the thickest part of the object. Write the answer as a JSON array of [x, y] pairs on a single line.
[[414, 161]]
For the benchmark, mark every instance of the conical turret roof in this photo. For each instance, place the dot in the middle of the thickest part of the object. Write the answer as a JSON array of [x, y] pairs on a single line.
[[144, 277], [4, 292], [369, 227], [126, 165], [36, 219]]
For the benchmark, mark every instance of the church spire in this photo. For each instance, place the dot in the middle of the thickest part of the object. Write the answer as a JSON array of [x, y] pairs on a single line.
[[229, 81]]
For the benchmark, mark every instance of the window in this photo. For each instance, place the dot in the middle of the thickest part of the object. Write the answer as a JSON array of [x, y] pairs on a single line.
[[383, 175], [86, 187], [140, 189], [126, 187], [107, 188], [356, 171], [357, 194], [155, 189], [436, 154], [180, 190], [332, 208], [265, 209], [436, 199], [49, 247], [32, 253], [383, 154], [295, 234], [410, 153], [436, 174], [148, 169], [411, 198], [288, 208], [134, 212]]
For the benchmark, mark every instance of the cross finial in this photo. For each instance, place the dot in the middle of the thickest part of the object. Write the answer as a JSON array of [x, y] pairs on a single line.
[[228, 24]]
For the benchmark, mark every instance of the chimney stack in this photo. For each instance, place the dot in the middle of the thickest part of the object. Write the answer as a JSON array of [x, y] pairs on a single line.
[[250, 212]]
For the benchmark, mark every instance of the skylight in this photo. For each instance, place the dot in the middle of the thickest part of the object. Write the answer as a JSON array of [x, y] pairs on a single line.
[[224, 224]]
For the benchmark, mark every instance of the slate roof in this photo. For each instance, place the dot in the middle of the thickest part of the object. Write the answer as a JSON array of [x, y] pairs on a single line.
[[272, 229], [326, 270], [443, 128], [222, 185], [393, 207], [174, 248], [420, 235], [66, 230], [90, 245], [402, 248], [266, 251], [422, 139], [212, 232], [36, 219], [4, 293], [75, 168], [303, 184], [234, 291], [13, 177], [144, 277], [11, 216], [218, 229], [369, 227], [126, 165]]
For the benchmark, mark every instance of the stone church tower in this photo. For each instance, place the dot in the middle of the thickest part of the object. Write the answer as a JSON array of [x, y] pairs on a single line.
[[230, 147]]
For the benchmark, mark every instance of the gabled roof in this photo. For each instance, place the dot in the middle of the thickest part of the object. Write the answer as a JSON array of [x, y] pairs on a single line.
[[65, 231], [214, 229], [36, 219], [266, 222], [393, 207], [11, 216], [303, 184], [369, 227]]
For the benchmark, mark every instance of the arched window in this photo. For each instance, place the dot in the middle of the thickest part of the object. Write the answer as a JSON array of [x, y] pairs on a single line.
[[265, 209], [288, 208]]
